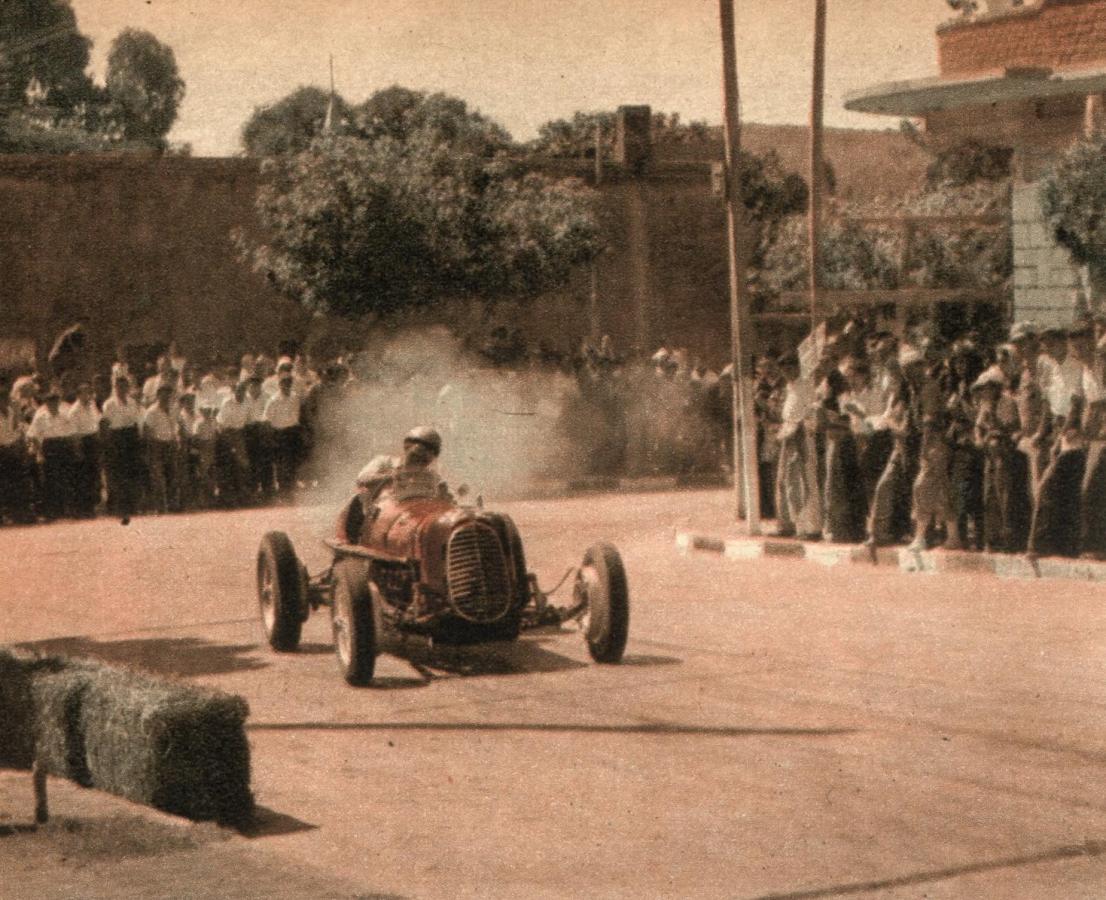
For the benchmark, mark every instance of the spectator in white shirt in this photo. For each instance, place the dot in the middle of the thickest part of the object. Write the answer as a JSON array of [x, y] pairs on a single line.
[[121, 417], [259, 440], [282, 412], [15, 494], [159, 431], [797, 498], [51, 433], [84, 418], [232, 460]]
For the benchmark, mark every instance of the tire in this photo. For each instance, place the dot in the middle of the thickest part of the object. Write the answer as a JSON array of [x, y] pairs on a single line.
[[602, 579], [354, 622], [280, 592]]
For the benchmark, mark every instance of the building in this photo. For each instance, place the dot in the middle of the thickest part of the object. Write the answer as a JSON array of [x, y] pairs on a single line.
[[1029, 76]]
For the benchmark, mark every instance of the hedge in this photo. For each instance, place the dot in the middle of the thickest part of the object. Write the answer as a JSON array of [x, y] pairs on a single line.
[[172, 746]]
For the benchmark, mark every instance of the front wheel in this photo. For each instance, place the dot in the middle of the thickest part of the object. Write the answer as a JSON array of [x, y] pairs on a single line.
[[280, 591], [354, 622], [601, 584]]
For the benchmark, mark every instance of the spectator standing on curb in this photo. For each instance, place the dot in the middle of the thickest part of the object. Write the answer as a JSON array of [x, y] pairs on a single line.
[[84, 419], [15, 495], [51, 434], [159, 431], [797, 499], [232, 459], [282, 412], [120, 422]]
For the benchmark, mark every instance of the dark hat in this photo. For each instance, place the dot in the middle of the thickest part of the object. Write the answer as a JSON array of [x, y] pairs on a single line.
[[1081, 329], [165, 389], [1054, 333], [52, 394], [1022, 331]]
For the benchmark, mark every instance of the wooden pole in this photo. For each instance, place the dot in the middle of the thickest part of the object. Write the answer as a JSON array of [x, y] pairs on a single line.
[[746, 474], [817, 163]]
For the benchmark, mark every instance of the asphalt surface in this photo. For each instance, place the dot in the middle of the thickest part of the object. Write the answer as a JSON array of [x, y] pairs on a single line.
[[776, 730]]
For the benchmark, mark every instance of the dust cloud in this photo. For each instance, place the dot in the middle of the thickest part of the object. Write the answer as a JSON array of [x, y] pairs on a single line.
[[500, 429]]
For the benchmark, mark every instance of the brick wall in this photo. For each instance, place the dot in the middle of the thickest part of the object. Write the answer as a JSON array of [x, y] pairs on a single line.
[[1054, 34], [1046, 281]]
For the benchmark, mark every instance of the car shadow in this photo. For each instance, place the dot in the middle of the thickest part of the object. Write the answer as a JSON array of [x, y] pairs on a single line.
[[523, 657], [181, 656]]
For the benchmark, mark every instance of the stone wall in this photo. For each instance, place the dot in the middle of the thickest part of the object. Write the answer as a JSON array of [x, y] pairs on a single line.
[[141, 248]]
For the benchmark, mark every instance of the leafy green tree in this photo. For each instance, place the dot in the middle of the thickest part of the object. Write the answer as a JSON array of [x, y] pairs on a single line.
[[968, 162], [144, 86], [1073, 197], [40, 43], [292, 123], [414, 208]]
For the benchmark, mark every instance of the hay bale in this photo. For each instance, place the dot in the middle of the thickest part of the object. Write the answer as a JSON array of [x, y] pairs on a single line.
[[172, 746], [17, 713]]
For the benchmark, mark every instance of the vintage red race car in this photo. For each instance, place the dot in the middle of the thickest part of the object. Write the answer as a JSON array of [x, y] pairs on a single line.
[[432, 567]]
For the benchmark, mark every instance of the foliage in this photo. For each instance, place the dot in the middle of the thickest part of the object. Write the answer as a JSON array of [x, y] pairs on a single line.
[[862, 248], [968, 162], [400, 113], [575, 138], [964, 7], [413, 207], [290, 124], [41, 46], [770, 195], [1073, 198], [144, 86]]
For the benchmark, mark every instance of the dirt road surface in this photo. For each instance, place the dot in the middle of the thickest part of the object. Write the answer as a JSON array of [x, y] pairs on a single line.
[[777, 729]]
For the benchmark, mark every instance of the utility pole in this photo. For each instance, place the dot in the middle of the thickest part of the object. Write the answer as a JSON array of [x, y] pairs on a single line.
[[817, 163], [746, 473]]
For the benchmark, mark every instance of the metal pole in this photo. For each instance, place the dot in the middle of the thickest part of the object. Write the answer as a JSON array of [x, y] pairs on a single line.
[[817, 165], [745, 451]]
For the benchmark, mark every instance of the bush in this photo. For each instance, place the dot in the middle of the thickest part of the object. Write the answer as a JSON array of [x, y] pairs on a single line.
[[172, 746]]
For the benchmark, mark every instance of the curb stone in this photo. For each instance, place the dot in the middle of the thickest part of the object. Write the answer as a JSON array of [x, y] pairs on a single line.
[[928, 562]]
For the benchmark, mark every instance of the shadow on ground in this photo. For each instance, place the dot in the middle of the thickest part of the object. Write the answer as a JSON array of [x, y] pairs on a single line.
[[661, 729], [267, 822], [1090, 848], [183, 656]]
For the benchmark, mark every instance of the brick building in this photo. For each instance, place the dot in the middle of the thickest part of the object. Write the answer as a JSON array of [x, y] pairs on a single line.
[[1029, 76]]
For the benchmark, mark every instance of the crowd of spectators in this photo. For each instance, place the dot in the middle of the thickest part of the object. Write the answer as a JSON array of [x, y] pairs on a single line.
[[164, 441], [862, 436], [994, 447]]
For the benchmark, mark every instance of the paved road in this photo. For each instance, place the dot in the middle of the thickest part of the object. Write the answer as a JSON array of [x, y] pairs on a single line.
[[777, 730]]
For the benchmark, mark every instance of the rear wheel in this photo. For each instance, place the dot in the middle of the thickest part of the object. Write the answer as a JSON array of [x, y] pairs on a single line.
[[354, 622], [601, 582], [280, 591]]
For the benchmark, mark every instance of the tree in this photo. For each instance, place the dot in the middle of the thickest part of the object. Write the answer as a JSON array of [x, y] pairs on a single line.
[[968, 162], [412, 209], [290, 124], [1073, 198], [144, 86], [40, 43]]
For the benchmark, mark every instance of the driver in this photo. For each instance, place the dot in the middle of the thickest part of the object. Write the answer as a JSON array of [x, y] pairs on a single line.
[[417, 476]]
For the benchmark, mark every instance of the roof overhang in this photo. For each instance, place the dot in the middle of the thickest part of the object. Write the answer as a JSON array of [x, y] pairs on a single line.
[[925, 95]]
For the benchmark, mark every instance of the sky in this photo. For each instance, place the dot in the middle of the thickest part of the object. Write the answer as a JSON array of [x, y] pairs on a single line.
[[522, 62]]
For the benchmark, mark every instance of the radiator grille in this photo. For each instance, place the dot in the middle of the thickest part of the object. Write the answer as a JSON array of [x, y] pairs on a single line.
[[479, 586]]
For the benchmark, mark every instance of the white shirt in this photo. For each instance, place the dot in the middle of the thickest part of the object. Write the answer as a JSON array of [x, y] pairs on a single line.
[[10, 432], [1059, 382], [255, 408], [283, 412], [121, 414], [1091, 387], [270, 387], [797, 400], [158, 425], [84, 420], [149, 389], [45, 426], [204, 429], [232, 414]]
